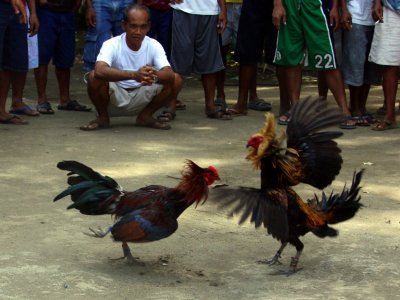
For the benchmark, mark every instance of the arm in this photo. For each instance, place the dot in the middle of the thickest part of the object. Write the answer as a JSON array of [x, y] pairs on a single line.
[[334, 15], [145, 75], [345, 19], [19, 7], [33, 19], [90, 14], [222, 16], [278, 14]]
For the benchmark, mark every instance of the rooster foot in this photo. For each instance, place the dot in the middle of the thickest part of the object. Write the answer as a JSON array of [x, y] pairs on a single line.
[[272, 261], [99, 233], [132, 260]]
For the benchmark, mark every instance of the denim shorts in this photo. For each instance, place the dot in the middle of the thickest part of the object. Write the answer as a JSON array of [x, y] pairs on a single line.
[[355, 66], [56, 38], [13, 41]]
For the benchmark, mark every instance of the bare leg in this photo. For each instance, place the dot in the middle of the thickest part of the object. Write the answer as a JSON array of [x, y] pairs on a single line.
[[390, 80], [41, 82], [335, 83], [221, 74], [322, 86], [284, 99], [4, 88], [209, 82], [247, 74], [63, 78]]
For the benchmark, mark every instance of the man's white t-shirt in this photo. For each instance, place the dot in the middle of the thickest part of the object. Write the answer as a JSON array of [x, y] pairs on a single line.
[[198, 7], [116, 53], [361, 12]]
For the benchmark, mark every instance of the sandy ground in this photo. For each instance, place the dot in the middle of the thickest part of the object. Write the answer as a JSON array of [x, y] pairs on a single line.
[[45, 255]]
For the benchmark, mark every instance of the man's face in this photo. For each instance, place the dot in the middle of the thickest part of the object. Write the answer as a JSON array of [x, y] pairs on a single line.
[[136, 27]]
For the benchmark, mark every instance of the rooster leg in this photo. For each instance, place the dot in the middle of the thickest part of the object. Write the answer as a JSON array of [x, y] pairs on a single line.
[[275, 259], [99, 233], [295, 260], [128, 255]]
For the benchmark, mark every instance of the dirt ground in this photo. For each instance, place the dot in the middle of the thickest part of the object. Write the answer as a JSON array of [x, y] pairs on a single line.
[[45, 255]]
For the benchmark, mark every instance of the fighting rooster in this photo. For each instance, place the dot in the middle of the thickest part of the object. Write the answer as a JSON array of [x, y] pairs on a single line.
[[311, 156], [145, 215]]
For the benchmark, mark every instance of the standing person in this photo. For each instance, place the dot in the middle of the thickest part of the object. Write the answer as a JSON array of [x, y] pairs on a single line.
[[103, 20], [195, 45], [227, 41], [385, 51], [56, 39], [303, 28], [256, 34], [14, 50], [358, 73], [132, 76]]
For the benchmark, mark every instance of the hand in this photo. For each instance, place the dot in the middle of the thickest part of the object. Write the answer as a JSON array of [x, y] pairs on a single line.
[[377, 11], [19, 8], [346, 20], [145, 75], [90, 17], [33, 25], [221, 25], [278, 15], [334, 19]]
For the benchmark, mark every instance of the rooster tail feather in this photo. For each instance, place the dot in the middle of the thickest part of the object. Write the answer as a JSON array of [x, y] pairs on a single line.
[[91, 192], [343, 206]]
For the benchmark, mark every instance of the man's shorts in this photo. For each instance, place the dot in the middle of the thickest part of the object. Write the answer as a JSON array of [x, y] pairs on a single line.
[[56, 38], [13, 41], [195, 44], [232, 15], [306, 31], [355, 67], [385, 49], [256, 33], [130, 102]]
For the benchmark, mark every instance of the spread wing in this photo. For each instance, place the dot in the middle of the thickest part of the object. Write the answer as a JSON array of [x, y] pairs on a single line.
[[318, 153], [263, 208]]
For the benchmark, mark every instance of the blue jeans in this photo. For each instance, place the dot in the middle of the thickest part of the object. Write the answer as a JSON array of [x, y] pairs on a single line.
[[109, 14], [13, 41]]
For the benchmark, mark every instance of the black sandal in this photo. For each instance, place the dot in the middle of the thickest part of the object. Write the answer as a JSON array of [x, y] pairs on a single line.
[[74, 105]]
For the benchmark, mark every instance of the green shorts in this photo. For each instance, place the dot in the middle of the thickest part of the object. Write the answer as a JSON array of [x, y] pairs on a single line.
[[305, 38]]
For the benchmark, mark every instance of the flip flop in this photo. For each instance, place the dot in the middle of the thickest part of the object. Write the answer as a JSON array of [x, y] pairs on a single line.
[[180, 105], [259, 104], [14, 120], [26, 111], [219, 114], [383, 125], [349, 123], [74, 105], [235, 112], [221, 103], [284, 119]]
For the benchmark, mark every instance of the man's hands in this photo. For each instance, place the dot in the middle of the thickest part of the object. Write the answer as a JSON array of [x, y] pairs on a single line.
[[377, 11], [146, 75], [278, 14], [19, 7]]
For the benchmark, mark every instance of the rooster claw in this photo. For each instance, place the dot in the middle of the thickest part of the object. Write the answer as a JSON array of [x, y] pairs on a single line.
[[99, 233], [269, 262]]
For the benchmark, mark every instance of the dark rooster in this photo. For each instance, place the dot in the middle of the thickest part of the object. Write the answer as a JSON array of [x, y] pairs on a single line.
[[145, 215], [310, 156]]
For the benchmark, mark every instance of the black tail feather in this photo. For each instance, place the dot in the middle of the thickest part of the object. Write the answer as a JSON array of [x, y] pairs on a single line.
[[91, 192]]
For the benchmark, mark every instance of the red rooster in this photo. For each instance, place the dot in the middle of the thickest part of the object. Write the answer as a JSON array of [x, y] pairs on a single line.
[[145, 215], [311, 157]]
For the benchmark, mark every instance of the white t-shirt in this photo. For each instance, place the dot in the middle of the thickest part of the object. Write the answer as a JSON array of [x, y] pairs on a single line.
[[116, 53], [361, 12], [198, 7]]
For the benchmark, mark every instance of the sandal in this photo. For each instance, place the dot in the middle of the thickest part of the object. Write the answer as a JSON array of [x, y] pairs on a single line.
[[219, 115], [220, 102], [383, 125], [235, 112], [45, 108], [259, 104], [349, 123], [284, 119], [180, 105], [26, 111], [13, 120], [360, 121], [94, 125], [74, 105]]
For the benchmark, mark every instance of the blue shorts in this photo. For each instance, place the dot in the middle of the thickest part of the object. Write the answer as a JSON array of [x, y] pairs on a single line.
[[256, 33], [355, 67], [13, 41], [56, 38]]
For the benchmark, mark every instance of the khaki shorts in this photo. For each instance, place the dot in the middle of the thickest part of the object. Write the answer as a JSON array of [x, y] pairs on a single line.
[[130, 103]]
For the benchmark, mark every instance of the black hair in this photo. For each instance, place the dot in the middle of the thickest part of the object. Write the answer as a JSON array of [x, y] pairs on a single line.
[[135, 6]]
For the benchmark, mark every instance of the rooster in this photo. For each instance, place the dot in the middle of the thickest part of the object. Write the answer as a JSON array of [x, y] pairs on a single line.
[[145, 215], [311, 156]]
